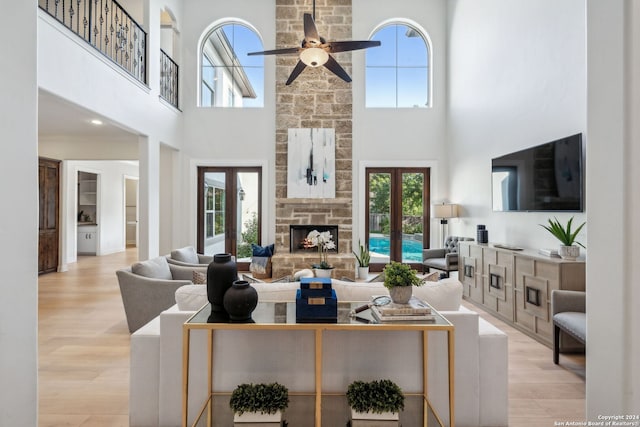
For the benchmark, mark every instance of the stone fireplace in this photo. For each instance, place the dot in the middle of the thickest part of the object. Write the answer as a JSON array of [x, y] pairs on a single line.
[[298, 234], [316, 99]]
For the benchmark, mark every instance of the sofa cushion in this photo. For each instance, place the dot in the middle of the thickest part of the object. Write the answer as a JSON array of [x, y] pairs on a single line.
[[199, 278], [262, 251], [573, 322], [155, 268], [444, 295], [187, 254]]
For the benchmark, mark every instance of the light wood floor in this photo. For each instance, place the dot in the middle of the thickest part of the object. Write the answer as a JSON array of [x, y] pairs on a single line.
[[84, 356]]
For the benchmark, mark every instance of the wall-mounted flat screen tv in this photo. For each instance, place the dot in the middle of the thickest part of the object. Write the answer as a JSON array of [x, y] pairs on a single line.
[[547, 177]]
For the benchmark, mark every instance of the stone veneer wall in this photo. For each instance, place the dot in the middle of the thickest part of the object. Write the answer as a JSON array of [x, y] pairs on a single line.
[[316, 99]]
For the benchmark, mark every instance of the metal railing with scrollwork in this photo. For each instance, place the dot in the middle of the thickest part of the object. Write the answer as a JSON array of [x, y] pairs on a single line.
[[105, 25], [168, 79]]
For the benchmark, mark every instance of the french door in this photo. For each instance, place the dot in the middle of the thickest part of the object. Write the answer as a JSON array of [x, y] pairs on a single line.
[[397, 215], [229, 211]]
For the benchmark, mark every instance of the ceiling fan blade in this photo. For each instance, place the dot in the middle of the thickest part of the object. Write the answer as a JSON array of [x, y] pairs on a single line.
[[289, 50], [310, 30], [300, 66], [333, 66], [352, 45]]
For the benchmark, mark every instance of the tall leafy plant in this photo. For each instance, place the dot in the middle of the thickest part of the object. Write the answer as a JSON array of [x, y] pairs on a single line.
[[564, 234], [364, 256]]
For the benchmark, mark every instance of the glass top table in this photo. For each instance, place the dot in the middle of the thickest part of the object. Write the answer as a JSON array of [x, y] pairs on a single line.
[[276, 316], [285, 313]]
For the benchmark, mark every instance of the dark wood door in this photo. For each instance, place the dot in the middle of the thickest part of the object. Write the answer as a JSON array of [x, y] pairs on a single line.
[[49, 190]]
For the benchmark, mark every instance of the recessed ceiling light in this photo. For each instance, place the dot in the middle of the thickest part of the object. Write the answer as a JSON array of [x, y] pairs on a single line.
[[96, 122]]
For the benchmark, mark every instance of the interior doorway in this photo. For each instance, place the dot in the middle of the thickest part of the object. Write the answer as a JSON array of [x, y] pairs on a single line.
[[397, 215], [48, 214], [131, 211]]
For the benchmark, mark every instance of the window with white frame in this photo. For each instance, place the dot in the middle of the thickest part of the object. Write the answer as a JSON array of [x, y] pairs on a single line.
[[398, 72], [231, 78]]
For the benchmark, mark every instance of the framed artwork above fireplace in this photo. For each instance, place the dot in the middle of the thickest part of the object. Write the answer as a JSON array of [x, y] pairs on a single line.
[[311, 163]]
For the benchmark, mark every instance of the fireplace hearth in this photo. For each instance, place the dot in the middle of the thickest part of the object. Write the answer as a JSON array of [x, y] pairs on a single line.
[[299, 233]]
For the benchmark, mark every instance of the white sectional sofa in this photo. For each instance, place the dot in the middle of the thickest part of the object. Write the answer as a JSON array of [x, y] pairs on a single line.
[[481, 390]]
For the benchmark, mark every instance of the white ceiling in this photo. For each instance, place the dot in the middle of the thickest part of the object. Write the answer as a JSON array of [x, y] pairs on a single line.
[[57, 117]]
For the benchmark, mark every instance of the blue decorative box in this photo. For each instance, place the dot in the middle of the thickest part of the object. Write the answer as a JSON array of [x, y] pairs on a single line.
[[315, 283], [316, 309]]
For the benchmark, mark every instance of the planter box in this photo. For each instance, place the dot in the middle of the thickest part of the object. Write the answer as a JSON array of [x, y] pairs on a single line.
[[391, 416], [257, 417]]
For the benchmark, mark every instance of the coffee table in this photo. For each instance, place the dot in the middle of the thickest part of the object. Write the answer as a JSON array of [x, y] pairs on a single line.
[[280, 316]]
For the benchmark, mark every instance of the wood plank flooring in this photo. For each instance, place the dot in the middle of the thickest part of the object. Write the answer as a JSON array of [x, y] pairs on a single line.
[[84, 356]]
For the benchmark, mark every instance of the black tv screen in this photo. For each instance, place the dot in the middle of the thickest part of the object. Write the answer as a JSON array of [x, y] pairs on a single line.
[[547, 177]]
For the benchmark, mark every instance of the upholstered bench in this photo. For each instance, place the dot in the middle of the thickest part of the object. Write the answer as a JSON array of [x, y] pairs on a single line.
[[568, 310]]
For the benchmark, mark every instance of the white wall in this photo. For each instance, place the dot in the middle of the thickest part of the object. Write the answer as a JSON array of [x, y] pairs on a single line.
[[111, 199], [19, 217], [83, 148], [613, 374], [517, 79], [400, 137], [224, 136]]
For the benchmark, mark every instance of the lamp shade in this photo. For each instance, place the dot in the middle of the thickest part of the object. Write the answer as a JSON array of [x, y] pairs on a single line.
[[445, 210]]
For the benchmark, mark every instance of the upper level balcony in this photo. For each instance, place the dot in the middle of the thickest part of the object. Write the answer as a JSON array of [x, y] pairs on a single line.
[[109, 28]]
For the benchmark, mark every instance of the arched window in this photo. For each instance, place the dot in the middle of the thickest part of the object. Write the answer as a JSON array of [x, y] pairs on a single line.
[[398, 73], [229, 77]]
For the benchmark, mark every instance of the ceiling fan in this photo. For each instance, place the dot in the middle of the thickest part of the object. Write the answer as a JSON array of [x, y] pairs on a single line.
[[316, 51]]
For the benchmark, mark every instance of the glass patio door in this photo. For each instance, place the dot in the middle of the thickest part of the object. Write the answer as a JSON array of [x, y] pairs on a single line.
[[229, 214], [397, 215]]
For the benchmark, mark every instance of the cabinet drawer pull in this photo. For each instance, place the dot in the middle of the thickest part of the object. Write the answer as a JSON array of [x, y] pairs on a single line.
[[533, 296], [494, 281], [468, 271]]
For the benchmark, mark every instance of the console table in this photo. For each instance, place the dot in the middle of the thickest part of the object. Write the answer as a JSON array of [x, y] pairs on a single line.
[[280, 316], [516, 284]]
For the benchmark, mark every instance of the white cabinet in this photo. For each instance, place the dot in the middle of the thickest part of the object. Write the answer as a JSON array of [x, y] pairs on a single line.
[[87, 239]]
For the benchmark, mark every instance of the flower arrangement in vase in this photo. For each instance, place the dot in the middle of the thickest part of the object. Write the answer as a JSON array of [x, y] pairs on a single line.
[[324, 242]]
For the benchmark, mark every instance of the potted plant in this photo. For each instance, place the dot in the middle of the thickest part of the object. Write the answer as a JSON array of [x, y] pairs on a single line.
[[567, 237], [399, 279], [379, 400], [363, 258], [324, 242], [253, 403]]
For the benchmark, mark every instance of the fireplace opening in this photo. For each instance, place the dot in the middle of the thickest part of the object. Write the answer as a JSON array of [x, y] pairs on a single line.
[[298, 235]]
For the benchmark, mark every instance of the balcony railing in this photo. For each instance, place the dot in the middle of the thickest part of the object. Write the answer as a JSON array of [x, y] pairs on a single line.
[[105, 25], [168, 79]]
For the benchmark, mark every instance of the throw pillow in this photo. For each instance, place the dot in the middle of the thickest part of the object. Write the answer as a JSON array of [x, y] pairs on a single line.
[[155, 268], [258, 250], [433, 277], [199, 278], [187, 254]]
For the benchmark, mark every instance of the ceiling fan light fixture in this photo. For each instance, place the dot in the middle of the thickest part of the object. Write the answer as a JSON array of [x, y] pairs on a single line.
[[314, 57]]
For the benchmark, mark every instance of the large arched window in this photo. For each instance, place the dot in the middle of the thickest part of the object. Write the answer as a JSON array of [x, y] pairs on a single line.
[[228, 76], [398, 73]]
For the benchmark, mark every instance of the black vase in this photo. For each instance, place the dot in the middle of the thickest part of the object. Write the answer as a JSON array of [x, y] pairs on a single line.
[[221, 274], [240, 300]]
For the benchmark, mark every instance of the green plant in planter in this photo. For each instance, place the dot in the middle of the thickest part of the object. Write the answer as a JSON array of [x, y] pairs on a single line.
[[398, 274], [364, 257], [375, 396], [562, 233], [263, 398]]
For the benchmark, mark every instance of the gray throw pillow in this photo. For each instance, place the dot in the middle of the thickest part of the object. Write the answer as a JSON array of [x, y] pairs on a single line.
[[155, 268], [186, 254]]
